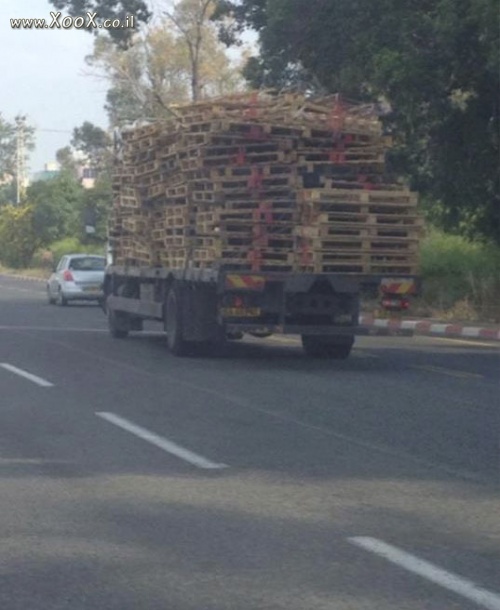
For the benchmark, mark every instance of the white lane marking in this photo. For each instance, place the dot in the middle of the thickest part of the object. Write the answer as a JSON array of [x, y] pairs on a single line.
[[56, 329], [444, 371], [246, 404], [448, 580], [162, 443], [38, 380], [469, 342]]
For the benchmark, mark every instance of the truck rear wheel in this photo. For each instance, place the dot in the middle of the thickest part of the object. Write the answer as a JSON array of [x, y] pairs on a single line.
[[333, 347], [173, 324], [117, 323]]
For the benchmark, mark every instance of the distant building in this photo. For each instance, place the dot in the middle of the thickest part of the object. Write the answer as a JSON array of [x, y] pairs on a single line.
[[51, 170], [87, 176]]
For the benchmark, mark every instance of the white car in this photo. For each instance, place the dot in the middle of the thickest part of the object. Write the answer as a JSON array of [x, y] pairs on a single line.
[[77, 277]]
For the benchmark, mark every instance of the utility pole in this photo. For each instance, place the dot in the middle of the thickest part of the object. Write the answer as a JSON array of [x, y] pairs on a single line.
[[20, 157]]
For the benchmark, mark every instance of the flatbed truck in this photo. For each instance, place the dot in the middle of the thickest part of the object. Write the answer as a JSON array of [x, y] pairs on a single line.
[[203, 308]]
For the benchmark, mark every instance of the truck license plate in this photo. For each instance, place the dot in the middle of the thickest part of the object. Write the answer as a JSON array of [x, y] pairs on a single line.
[[240, 312]]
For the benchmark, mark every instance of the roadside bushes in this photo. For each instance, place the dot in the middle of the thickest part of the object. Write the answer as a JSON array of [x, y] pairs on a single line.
[[460, 278], [48, 256], [18, 240]]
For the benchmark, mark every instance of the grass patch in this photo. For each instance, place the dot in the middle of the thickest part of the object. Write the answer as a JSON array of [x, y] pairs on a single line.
[[461, 279], [37, 272]]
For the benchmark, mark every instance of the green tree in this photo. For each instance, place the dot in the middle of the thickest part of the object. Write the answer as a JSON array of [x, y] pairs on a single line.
[[94, 143], [18, 237], [66, 160], [156, 72], [7, 148], [435, 62], [191, 20], [56, 207], [7, 193], [96, 204]]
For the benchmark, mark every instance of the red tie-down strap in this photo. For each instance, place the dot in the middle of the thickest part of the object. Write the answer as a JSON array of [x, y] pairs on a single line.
[[304, 251], [240, 158], [365, 182], [260, 237], [255, 179], [256, 132], [263, 213], [337, 157], [337, 118], [254, 257], [252, 112]]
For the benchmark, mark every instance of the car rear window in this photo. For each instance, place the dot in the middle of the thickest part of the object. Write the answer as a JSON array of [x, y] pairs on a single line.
[[88, 263]]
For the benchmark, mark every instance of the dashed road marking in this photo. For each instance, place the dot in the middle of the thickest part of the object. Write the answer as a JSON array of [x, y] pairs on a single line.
[[53, 329], [162, 443], [38, 380], [461, 586], [444, 371]]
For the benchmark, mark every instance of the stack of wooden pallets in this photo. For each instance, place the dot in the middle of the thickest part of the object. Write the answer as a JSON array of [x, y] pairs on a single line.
[[263, 182]]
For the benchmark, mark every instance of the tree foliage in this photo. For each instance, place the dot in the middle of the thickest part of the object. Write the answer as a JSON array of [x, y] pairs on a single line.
[[191, 19], [66, 159], [97, 202], [56, 207], [94, 143], [7, 148], [156, 72], [8, 193], [18, 237], [437, 64]]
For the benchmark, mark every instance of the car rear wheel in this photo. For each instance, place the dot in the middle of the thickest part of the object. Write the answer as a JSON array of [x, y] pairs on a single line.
[[51, 300], [61, 300]]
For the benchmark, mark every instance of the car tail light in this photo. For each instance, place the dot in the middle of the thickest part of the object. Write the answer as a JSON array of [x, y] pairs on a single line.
[[68, 276]]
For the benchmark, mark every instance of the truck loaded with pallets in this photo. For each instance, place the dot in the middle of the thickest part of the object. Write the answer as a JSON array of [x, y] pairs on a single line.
[[258, 214]]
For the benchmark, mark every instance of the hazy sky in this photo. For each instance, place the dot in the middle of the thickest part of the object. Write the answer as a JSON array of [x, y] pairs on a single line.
[[43, 78]]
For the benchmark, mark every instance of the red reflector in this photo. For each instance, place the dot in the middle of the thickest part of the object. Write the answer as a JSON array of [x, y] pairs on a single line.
[[68, 276], [395, 303]]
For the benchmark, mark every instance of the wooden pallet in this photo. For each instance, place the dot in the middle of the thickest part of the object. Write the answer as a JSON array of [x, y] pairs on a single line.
[[327, 195], [354, 231], [247, 170]]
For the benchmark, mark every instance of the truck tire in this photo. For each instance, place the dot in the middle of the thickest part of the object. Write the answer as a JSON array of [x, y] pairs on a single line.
[[333, 347], [117, 323], [173, 324]]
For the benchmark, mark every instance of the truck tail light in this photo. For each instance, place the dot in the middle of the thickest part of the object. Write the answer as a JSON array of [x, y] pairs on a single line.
[[395, 303]]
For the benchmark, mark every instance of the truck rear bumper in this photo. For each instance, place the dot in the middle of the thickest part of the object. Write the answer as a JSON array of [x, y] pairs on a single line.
[[361, 330], [291, 329]]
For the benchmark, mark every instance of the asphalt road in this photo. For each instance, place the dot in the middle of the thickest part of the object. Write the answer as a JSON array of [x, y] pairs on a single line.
[[260, 480]]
